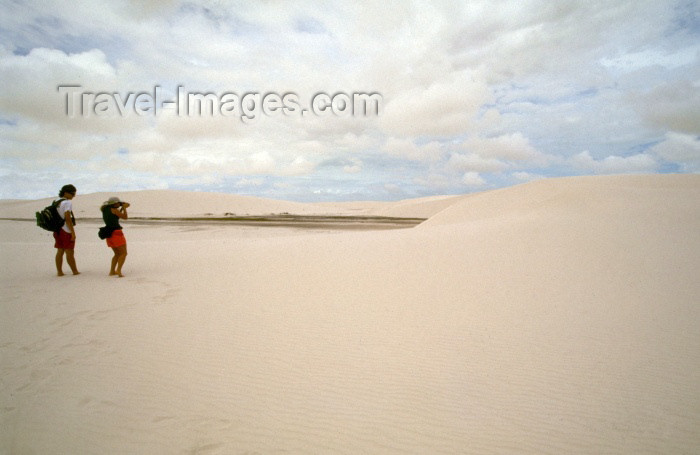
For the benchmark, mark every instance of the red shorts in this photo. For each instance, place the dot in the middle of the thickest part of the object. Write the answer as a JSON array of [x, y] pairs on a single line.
[[64, 240], [117, 239]]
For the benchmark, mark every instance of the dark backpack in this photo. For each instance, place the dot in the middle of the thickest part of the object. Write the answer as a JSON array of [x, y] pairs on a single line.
[[49, 218]]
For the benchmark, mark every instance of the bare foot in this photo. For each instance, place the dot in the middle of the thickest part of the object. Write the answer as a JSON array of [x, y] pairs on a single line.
[[76, 273], [60, 274]]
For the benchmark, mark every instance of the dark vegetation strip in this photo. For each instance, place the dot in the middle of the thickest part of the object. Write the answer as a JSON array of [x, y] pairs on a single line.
[[286, 220]]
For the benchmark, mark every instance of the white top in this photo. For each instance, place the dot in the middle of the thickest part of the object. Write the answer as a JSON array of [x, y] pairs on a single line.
[[63, 207]]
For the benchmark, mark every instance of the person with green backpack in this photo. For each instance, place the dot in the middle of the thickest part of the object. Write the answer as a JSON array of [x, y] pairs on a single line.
[[65, 236]]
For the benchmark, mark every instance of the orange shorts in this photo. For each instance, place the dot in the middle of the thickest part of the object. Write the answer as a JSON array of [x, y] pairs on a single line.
[[117, 239]]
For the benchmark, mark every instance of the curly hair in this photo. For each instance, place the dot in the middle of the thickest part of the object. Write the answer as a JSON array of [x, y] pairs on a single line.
[[67, 189]]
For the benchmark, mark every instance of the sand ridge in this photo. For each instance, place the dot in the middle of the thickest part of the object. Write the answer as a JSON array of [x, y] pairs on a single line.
[[179, 204]]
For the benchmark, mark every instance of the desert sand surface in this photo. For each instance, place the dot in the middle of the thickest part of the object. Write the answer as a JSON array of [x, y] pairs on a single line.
[[558, 316]]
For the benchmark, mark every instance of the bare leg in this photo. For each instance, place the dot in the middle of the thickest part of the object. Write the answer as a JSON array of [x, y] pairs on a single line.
[[59, 261], [70, 259], [118, 260], [121, 260], [113, 265]]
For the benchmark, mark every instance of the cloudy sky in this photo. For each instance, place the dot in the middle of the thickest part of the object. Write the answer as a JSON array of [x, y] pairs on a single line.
[[475, 94]]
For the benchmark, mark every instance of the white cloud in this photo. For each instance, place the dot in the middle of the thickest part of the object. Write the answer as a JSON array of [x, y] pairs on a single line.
[[354, 167], [473, 179], [435, 181], [675, 106], [683, 149], [653, 56], [638, 163], [30, 83], [495, 154], [249, 182], [446, 106], [299, 166], [407, 149], [473, 162], [393, 188], [511, 147]]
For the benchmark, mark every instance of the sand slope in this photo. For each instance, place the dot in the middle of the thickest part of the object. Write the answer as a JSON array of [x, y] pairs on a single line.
[[162, 203], [173, 204], [594, 197], [554, 317]]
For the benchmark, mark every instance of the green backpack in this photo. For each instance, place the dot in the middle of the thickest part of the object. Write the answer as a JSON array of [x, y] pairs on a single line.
[[49, 218]]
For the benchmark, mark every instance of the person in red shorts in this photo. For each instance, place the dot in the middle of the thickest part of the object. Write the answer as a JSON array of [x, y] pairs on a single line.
[[65, 237], [112, 211]]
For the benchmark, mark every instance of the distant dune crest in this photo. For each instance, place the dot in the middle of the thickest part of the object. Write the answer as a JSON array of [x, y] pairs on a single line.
[[545, 193]]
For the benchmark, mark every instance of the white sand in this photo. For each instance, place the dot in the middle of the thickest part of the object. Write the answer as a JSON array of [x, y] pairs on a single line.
[[557, 317]]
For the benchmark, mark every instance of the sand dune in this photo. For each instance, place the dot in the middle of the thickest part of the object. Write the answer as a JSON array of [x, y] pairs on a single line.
[[558, 316], [174, 204], [587, 196], [161, 203]]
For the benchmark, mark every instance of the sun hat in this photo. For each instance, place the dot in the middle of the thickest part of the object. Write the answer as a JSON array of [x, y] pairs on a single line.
[[111, 201]]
